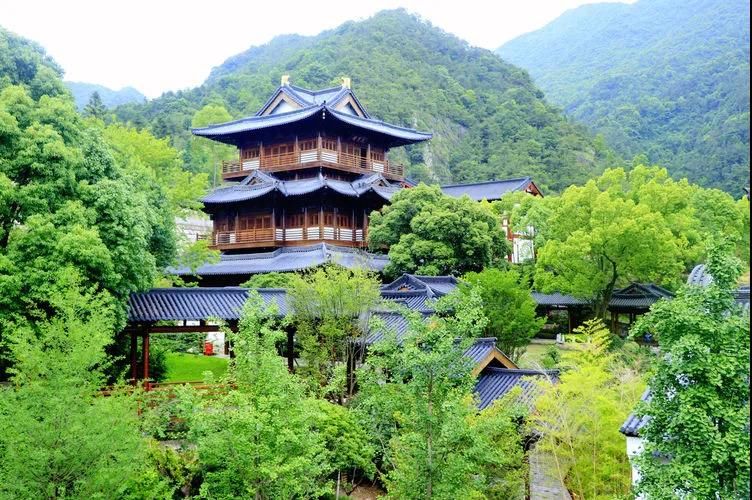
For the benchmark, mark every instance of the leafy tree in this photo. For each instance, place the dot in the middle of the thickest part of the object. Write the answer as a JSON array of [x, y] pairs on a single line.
[[416, 394], [258, 439], [598, 240], [95, 108], [579, 417], [155, 160], [508, 306], [67, 201], [328, 306], [62, 438], [697, 437], [207, 155], [270, 280], [430, 233]]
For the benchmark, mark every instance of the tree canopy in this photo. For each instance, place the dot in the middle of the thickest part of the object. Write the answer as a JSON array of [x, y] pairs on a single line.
[[697, 436], [431, 234]]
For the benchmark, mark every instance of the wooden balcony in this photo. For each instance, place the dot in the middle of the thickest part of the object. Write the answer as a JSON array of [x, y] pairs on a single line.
[[307, 158], [291, 236]]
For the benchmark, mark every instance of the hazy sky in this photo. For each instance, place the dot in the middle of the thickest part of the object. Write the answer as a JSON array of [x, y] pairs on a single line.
[[160, 45]]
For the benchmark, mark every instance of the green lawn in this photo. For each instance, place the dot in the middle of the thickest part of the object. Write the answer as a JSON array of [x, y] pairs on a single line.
[[534, 353], [182, 367]]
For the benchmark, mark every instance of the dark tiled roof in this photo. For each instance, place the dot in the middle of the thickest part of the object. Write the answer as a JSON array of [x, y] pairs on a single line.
[[289, 259], [225, 132], [481, 348], [494, 383], [557, 299], [166, 304], [633, 424], [258, 184], [433, 286], [635, 296], [638, 295], [490, 190], [699, 276]]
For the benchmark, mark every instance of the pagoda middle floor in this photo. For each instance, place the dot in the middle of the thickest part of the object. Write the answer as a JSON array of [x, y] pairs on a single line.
[[265, 212]]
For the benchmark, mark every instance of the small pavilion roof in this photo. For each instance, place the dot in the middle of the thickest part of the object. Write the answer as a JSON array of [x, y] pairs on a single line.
[[288, 259], [195, 304], [632, 425], [490, 190], [259, 184], [494, 383], [633, 296], [317, 105]]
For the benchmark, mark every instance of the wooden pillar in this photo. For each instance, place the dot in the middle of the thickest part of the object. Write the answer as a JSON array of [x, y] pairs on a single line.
[[290, 350], [339, 150], [305, 223], [145, 358], [368, 164], [261, 155], [134, 357], [336, 226], [297, 150], [352, 227]]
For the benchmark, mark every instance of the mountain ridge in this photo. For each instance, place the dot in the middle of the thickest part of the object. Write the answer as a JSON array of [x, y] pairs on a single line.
[[110, 98], [664, 78]]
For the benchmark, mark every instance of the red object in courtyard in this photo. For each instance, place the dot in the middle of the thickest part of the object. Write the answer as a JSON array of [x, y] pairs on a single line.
[[208, 349]]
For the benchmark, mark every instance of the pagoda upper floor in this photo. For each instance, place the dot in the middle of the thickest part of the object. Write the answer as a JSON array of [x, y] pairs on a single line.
[[302, 130]]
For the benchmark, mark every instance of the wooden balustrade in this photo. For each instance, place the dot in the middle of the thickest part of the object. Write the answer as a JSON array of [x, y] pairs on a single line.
[[249, 238], [305, 158]]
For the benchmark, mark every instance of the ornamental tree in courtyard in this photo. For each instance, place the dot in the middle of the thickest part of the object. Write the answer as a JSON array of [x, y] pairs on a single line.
[[430, 233], [697, 437], [598, 240]]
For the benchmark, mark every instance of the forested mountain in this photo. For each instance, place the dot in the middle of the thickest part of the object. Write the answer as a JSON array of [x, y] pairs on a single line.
[[110, 98], [488, 119], [667, 78]]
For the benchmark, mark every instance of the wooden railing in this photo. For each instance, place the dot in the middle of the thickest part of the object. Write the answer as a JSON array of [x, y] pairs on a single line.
[[309, 157], [279, 236]]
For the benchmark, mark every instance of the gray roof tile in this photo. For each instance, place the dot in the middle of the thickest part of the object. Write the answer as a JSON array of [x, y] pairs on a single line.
[[494, 383], [288, 259], [489, 190]]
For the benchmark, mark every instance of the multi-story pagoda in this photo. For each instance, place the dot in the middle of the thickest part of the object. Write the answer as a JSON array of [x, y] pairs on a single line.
[[311, 166]]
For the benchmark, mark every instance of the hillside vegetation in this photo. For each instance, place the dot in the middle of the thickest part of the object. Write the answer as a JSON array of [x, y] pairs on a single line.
[[665, 78], [488, 119], [111, 98]]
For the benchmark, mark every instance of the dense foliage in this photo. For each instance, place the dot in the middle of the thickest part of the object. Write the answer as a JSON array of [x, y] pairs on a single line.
[[76, 195], [508, 306], [638, 225], [488, 119], [430, 233], [697, 438], [61, 438], [579, 417], [417, 406], [667, 78], [327, 310]]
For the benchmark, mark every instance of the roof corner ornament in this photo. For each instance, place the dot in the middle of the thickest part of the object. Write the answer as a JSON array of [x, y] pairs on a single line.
[[346, 82], [285, 81]]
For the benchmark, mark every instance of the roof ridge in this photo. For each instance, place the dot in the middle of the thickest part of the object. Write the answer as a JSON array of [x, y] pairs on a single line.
[[487, 182], [256, 118], [372, 120]]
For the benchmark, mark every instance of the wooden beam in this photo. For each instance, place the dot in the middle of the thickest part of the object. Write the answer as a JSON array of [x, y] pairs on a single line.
[[178, 329], [134, 357]]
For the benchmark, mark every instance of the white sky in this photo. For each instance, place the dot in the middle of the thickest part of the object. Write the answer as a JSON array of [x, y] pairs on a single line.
[[161, 45]]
